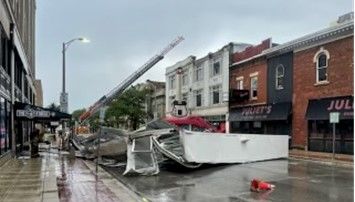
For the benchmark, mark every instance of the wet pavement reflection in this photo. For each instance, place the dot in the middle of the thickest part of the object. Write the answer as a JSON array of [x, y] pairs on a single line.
[[295, 181], [76, 182], [26, 179], [57, 176]]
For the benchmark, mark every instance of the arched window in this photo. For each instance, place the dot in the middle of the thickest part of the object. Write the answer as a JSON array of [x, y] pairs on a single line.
[[321, 59], [280, 74]]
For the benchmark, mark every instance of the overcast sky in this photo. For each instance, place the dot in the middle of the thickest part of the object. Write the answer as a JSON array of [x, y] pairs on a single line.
[[125, 34]]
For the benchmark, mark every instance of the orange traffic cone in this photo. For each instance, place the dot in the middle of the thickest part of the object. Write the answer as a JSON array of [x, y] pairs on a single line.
[[258, 185]]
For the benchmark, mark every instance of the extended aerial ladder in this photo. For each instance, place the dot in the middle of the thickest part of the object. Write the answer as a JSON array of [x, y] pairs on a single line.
[[118, 90]]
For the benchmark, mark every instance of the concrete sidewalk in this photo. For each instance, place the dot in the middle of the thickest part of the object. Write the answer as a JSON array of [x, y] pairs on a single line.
[[58, 177], [29, 179], [340, 159]]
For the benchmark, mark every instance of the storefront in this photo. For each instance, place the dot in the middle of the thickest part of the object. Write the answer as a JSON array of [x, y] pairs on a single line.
[[320, 130], [218, 121], [27, 115], [261, 119], [5, 137]]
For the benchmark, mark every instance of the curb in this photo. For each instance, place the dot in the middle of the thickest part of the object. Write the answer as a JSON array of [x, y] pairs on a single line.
[[141, 197], [329, 162], [132, 194]]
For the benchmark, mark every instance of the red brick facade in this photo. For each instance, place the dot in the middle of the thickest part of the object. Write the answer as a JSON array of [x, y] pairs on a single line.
[[340, 76], [252, 50], [244, 70], [256, 66]]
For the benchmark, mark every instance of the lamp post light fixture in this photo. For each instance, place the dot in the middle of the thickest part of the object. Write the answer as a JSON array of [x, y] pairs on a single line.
[[64, 95]]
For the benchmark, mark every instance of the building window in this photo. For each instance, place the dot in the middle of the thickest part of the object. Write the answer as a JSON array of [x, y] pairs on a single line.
[[322, 68], [239, 83], [254, 87], [321, 59], [172, 82], [280, 73], [216, 94], [198, 98], [216, 68], [198, 73], [185, 79]]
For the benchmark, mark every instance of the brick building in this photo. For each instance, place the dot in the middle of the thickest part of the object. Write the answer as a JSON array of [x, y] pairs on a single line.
[[298, 84], [251, 111], [322, 82], [155, 100], [311, 85]]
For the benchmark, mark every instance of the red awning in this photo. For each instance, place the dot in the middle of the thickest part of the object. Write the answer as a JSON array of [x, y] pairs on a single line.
[[191, 120]]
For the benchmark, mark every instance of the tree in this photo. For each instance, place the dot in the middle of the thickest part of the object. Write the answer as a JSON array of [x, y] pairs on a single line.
[[54, 106], [128, 108], [77, 113]]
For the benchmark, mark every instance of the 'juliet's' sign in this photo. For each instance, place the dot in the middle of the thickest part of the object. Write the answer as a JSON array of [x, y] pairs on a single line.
[[257, 110], [279, 111]]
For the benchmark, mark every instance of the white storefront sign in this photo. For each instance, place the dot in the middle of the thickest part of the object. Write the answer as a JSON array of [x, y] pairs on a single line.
[[334, 117]]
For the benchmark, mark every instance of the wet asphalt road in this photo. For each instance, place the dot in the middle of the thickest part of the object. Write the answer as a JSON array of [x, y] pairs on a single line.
[[295, 181]]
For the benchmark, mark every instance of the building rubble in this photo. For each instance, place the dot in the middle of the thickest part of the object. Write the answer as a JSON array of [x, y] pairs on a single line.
[[145, 149]]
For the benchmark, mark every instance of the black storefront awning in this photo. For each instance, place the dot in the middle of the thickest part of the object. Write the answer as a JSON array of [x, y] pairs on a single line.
[[269, 112], [319, 109], [24, 111]]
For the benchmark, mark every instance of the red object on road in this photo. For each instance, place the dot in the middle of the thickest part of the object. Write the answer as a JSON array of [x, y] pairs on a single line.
[[258, 185]]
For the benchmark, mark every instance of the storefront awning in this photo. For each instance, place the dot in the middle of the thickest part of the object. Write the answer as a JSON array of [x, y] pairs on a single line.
[[24, 111], [319, 109], [269, 112]]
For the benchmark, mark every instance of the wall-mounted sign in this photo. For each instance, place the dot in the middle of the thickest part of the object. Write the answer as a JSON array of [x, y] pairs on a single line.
[[26, 111], [238, 95], [54, 123], [334, 117], [30, 113], [279, 111], [321, 108]]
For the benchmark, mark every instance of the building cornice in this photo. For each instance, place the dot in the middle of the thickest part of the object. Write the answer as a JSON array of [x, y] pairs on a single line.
[[308, 41], [323, 36], [183, 63]]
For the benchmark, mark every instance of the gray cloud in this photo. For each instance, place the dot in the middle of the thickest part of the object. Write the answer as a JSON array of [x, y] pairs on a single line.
[[125, 34]]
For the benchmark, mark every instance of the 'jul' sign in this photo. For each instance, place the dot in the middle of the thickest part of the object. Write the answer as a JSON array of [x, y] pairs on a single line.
[[321, 108], [340, 104]]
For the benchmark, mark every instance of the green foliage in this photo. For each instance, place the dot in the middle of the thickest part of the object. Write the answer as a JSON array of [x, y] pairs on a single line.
[[128, 108], [77, 113], [94, 122], [54, 107]]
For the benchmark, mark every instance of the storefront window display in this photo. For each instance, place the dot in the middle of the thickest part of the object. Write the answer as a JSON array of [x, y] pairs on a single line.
[[4, 137]]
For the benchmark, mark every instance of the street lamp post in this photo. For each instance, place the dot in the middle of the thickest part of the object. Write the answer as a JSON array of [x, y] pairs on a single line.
[[64, 95]]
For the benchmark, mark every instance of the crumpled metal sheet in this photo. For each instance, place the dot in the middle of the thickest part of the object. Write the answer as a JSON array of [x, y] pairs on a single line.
[[141, 158], [112, 140]]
